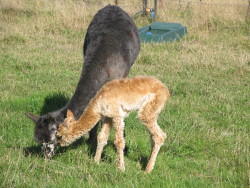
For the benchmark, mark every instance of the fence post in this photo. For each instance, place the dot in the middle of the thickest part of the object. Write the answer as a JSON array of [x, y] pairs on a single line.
[[248, 12], [155, 7], [144, 6]]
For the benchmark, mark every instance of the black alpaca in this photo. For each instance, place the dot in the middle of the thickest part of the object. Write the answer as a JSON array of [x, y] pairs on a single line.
[[110, 48]]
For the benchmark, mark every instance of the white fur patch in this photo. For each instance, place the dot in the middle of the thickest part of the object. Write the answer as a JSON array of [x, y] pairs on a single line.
[[126, 108]]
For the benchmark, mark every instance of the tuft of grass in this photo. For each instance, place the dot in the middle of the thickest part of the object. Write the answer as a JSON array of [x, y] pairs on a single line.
[[206, 119]]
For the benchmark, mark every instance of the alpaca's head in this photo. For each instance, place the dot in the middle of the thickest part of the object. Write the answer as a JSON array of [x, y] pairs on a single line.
[[45, 132], [64, 136]]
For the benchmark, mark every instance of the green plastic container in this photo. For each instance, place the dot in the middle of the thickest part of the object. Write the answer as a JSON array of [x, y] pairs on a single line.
[[162, 32]]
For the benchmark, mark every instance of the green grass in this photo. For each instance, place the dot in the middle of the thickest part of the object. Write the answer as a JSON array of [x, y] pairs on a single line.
[[206, 119]]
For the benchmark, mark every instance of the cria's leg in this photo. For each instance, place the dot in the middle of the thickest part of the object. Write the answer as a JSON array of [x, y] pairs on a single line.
[[103, 138], [119, 141], [148, 115], [158, 137]]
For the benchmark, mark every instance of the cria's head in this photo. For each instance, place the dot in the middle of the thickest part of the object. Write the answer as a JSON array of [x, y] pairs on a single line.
[[45, 132]]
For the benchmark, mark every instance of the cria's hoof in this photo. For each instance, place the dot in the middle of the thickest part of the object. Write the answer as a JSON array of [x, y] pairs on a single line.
[[147, 171], [121, 168], [97, 161]]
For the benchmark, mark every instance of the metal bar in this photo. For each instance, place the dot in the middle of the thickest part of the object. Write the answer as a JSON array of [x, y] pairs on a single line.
[[155, 7], [217, 4]]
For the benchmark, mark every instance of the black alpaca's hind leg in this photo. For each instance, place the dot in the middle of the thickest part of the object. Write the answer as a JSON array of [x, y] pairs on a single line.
[[92, 140]]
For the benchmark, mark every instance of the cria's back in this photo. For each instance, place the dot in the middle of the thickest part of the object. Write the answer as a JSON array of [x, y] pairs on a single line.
[[139, 85], [130, 94]]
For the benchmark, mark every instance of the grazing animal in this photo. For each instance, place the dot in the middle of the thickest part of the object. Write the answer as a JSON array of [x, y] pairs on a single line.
[[110, 48], [113, 102]]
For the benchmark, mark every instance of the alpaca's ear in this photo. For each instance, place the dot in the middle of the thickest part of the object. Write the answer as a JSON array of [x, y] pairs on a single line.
[[33, 117], [70, 115], [69, 119]]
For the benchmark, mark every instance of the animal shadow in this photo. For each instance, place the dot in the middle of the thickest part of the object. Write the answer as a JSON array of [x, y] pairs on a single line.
[[33, 151], [53, 102], [143, 162], [60, 150], [38, 152]]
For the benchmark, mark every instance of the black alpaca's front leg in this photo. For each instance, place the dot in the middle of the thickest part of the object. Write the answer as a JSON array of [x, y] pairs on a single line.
[[93, 136], [92, 140]]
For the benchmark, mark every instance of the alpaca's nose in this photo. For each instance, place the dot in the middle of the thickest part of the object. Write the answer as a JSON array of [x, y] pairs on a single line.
[[48, 150]]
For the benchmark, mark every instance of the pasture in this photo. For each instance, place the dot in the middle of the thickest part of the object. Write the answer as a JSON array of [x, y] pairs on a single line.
[[206, 120]]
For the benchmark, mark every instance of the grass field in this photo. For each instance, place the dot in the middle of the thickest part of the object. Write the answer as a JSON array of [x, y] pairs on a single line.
[[206, 119]]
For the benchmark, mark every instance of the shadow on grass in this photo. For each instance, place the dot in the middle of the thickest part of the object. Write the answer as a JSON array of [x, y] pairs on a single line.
[[143, 162], [53, 102], [37, 151], [60, 150], [33, 151]]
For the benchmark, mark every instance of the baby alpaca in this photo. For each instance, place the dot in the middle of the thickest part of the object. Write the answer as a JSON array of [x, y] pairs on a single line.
[[113, 102]]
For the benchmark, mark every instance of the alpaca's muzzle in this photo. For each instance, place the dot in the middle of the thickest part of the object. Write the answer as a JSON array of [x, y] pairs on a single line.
[[48, 149]]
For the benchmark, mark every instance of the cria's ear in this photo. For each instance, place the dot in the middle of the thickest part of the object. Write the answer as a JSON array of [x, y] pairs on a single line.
[[65, 124], [69, 119], [33, 117], [70, 116]]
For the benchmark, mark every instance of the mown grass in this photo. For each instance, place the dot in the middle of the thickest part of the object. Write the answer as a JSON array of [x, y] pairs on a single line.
[[206, 119]]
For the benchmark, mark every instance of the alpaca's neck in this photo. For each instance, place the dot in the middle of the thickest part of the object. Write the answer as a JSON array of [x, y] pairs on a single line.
[[86, 122], [85, 91]]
